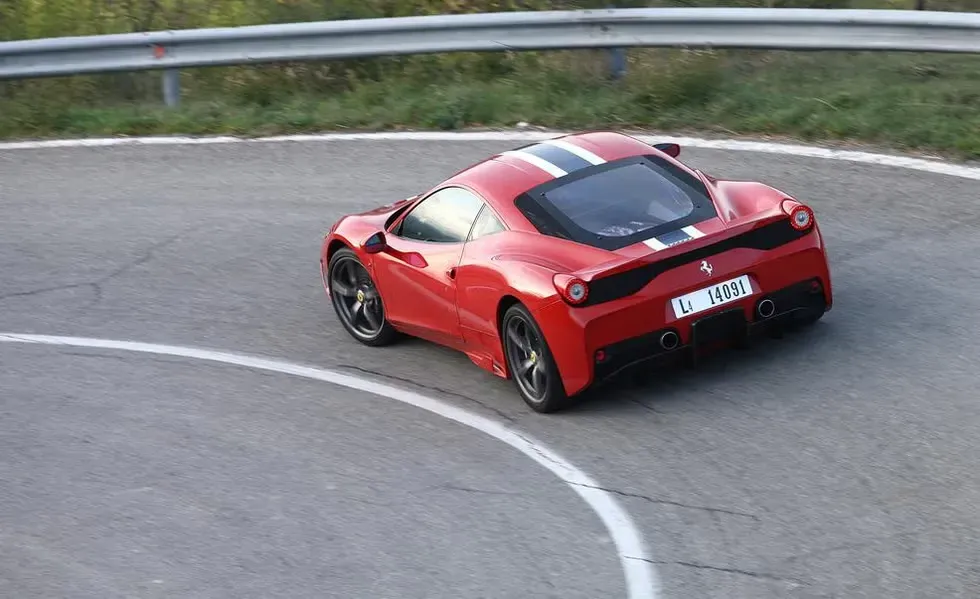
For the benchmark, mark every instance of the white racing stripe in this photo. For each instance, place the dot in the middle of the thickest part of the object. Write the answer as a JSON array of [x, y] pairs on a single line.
[[578, 151], [641, 578], [665, 240], [653, 243], [542, 164], [693, 231]]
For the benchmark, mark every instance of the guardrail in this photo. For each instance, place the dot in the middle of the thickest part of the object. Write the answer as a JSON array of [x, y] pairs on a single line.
[[757, 28]]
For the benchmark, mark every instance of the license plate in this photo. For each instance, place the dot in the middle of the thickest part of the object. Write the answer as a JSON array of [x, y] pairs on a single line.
[[707, 298]]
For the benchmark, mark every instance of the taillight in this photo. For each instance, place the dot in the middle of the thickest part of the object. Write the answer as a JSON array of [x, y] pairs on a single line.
[[800, 216], [572, 289]]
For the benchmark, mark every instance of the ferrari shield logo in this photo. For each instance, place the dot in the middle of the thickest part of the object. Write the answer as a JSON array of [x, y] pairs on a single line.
[[706, 267]]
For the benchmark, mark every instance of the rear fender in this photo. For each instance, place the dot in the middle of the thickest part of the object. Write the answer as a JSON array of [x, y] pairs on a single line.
[[524, 266], [741, 201], [531, 283], [486, 289]]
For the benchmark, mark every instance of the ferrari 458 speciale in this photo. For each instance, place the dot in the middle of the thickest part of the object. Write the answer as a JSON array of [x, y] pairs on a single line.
[[563, 262]]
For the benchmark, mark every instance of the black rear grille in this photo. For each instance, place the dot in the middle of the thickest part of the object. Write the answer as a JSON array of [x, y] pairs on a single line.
[[619, 285]]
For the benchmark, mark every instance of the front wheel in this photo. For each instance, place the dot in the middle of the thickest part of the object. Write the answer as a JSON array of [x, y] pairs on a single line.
[[356, 300], [530, 362]]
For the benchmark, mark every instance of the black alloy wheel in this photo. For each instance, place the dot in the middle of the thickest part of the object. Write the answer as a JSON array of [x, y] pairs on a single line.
[[530, 363], [356, 300]]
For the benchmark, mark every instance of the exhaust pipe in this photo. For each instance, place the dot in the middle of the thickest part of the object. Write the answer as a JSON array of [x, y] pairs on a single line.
[[669, 340], [766, 308]]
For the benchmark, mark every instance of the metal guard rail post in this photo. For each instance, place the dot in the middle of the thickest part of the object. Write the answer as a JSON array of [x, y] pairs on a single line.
[[748, 28]]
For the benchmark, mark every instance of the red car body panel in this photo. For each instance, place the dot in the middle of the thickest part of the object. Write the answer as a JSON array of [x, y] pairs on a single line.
[[454, 294]]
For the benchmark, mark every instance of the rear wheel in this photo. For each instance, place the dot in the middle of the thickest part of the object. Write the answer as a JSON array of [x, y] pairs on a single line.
[[356, 300], [530, 362]]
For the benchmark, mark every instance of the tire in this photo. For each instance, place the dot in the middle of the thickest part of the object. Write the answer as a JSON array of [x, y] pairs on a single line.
[[356, 300], [521, 336]]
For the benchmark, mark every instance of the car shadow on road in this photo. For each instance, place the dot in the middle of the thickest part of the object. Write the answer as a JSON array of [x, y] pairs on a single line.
[[668, 387]]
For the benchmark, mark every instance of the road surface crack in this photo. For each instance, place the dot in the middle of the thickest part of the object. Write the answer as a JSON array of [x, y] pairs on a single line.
[[43, 290], [147, 255], [713, 510], [726, 570], [647, 406], [452, 487], [409, 381], [97, 284]]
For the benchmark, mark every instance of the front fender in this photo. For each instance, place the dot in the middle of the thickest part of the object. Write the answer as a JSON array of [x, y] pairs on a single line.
[[353, 230], [350, 231], [332, 242]]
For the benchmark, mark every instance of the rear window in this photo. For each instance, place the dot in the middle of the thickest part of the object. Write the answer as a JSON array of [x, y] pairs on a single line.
[[616, 204], [623, 201]]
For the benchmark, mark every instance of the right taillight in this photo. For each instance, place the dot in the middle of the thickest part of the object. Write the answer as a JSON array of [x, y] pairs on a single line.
[[800, 216], [572, 289]]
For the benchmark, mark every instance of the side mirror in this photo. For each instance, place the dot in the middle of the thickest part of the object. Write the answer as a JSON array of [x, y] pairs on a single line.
[[375, 243], [672, 150]]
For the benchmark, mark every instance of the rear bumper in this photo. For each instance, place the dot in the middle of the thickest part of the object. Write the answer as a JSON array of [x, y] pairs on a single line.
[[595, 343], [801, 301]]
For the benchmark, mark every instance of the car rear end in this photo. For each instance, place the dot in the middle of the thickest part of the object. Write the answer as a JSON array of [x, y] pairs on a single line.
[[758, 279], [691, 274]]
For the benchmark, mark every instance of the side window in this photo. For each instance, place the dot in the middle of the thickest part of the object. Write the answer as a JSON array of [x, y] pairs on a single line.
[[486, 224], [444, 217]]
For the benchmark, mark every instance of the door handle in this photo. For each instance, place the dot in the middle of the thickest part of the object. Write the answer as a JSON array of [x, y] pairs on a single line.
[[451, 273]]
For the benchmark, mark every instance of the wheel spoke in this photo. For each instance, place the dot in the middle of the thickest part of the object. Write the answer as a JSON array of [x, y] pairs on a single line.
[[342, 289], [529, 340], [525, 366], [538, 377], [356, 298], [355, 312], [372, 318], [517, 339]]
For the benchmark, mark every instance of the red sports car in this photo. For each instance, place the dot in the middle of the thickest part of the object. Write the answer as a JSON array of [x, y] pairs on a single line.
[[561, 263]]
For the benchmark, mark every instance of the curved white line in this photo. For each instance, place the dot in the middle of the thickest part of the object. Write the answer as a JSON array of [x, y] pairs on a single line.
[[642, 582], [641, 578], [907, 162]]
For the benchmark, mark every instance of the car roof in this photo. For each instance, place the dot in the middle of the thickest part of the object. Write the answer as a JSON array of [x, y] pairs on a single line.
[[501, 178]]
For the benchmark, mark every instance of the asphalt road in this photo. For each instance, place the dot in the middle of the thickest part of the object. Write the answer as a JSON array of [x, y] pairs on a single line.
[[841, 462]]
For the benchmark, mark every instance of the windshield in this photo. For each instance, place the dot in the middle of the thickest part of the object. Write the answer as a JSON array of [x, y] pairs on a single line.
[[618, 203]]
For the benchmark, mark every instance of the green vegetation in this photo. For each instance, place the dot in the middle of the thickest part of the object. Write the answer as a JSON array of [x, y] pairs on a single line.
[[928, 102]]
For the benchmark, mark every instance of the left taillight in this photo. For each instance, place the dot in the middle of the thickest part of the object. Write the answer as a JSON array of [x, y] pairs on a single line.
[[572, 289], [800, 216]]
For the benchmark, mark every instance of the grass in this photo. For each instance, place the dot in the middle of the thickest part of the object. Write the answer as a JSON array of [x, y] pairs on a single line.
[[905, 101]]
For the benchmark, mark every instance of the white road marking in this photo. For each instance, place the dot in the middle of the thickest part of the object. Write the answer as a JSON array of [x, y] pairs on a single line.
[[641, 578], [907, 162]]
